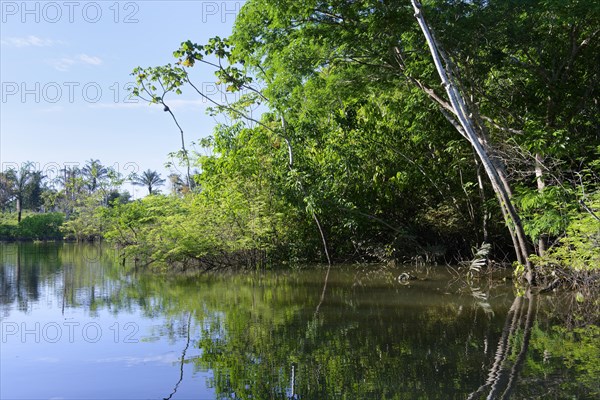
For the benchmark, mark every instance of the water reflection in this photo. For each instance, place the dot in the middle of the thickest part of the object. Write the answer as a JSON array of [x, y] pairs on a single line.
[[283, 335], [182, 361], [504, 371]]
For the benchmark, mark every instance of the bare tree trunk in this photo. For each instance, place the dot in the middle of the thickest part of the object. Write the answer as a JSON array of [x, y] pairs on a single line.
[[502, 350], [518, 365], [182, 360], [500, 185], [484, 222], [183, 149]]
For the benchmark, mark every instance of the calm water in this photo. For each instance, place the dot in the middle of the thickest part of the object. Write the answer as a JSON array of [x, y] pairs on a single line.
[[78, 325]]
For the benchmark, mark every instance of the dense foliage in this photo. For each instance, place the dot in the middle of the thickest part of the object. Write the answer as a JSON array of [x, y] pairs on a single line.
[[48, 196], [357, 153], [33, 227], [361, 148]]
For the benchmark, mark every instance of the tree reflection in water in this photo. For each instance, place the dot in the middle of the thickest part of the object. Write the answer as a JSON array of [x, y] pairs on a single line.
[[182, 360], [315, 334], [504, 372]]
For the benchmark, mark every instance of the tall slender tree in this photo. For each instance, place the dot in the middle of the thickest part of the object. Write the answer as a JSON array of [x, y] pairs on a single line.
[[5, 191], [464, 123]]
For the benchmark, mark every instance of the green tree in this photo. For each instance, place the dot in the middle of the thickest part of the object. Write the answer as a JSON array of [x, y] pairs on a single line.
[[41, 226], [25, 187], [5, 191], [34, 190], [95, 173], [371, 141], [177, 184], [73, 183], [378, 44], [150, 179]]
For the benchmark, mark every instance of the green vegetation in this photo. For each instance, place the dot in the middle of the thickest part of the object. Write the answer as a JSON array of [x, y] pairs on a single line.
[[32, 227], [45, 202], [362, 153], [579, 246], [362, 146], [41, 226], [8, 225]]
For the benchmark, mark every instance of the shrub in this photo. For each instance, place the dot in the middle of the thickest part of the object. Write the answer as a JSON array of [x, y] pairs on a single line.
[[579, 248], [7, 232], [41, 226]]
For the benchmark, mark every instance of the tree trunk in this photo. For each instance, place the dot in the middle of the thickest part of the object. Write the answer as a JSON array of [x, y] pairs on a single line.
[[19, 209], [500, 185], [484, 221]]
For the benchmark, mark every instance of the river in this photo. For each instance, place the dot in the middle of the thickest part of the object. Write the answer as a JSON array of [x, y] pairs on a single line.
[[78, 324]]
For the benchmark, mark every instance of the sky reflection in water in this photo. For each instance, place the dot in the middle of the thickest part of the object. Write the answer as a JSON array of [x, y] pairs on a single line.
[[76, 324]]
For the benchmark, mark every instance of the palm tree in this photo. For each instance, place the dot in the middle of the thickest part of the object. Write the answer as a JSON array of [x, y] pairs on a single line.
[[72, 180], [18, 183], [94, 171], [68, 178], [6, 194], [149, 178]]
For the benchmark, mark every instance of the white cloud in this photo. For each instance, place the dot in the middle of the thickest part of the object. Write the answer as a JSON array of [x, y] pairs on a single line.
[[27, 41], [62, 64], [65, 63], [92, 60]]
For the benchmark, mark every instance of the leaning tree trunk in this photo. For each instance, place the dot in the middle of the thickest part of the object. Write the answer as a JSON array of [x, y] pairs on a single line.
[[500, 186]]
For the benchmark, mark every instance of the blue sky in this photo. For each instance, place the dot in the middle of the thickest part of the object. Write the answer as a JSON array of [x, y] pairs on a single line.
[[64, 69]]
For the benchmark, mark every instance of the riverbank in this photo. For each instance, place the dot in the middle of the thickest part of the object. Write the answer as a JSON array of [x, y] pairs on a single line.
[[144, 233]]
